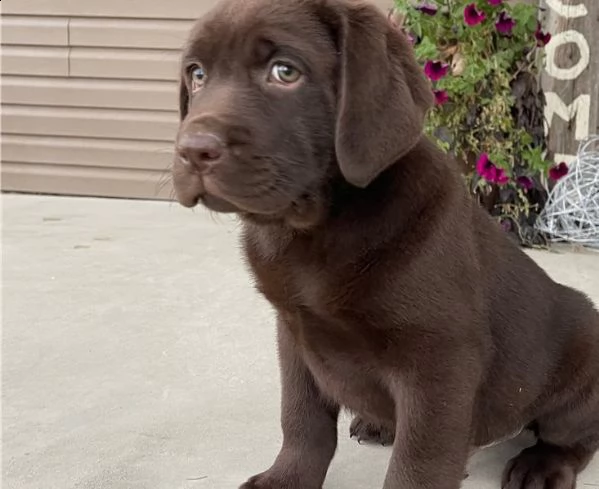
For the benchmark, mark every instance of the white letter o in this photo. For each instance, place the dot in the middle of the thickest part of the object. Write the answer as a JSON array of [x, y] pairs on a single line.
[[560, 39]]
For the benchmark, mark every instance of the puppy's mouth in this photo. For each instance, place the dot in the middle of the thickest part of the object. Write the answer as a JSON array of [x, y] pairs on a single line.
[[208, 193], [214, 199], [217, 205], [190, 191], [193, 188]]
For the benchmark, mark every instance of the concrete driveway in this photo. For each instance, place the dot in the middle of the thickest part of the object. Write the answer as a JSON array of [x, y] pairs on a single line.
[[136, 354]]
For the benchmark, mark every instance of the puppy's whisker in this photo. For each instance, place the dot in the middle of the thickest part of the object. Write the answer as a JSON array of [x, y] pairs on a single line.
[[172, 198]]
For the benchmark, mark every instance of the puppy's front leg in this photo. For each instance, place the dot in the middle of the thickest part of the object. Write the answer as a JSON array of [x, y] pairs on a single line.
[[309, 425], [432, 438]]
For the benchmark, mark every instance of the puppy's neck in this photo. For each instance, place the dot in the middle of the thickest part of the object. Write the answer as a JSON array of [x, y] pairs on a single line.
[[349, 221]]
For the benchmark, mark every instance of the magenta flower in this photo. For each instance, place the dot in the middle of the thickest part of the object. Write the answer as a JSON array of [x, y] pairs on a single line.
[[484, 167], [435, 70], [441, 97], [411, 38], [427, 8], [501, 177], [506, 225], [494, 3], [525, 182], [542, 38], [558, 171], [487, 169], [473, 16], [505, 24]]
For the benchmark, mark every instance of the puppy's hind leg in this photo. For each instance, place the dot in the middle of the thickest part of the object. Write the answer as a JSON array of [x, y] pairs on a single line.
[[568, 438], [547, 466]]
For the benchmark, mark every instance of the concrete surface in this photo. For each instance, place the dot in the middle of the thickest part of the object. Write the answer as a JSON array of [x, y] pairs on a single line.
[[137, 355]]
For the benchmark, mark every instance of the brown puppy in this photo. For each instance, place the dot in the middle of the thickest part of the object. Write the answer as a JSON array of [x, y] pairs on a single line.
[[397, 297]]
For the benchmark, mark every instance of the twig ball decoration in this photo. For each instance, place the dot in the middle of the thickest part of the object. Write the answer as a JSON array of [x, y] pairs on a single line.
[[572, 211]]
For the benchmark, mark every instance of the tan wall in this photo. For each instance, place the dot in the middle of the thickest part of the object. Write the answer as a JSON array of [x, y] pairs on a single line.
[[89, 94]]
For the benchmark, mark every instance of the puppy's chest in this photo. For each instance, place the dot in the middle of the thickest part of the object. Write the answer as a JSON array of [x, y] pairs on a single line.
[[337, 349], [317, 301], [291, 271], [293, 286], [351, 380]]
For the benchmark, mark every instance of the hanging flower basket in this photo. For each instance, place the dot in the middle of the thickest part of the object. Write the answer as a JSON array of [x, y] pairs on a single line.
[[482, 58]]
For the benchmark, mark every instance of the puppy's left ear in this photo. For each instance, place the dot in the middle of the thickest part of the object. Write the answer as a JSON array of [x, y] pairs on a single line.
[[383, 95]]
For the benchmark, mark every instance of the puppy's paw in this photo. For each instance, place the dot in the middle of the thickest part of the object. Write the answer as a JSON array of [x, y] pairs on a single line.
[[264, 481], [272, 480], [368, 432], [539, 467]]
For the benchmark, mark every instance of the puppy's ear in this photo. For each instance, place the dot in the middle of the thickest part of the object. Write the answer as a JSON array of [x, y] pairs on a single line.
[[383, 95], [183, 99]]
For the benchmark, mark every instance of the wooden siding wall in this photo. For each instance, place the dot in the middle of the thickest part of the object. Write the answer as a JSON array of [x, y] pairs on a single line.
[[89, 94]]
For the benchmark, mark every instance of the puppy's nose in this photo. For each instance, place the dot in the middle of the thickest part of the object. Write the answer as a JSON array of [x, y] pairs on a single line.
[[200, 149]]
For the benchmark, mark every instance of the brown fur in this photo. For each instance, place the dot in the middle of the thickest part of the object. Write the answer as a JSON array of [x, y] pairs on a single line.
[[397, 297]]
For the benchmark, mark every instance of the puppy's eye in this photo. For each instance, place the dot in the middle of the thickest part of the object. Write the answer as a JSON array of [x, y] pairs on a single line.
[[198, 77], [284, 73]]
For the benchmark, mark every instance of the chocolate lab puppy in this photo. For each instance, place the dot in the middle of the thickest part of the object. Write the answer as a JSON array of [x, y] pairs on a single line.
[[397, 297]]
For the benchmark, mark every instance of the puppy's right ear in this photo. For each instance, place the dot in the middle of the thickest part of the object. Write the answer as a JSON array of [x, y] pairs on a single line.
[[183, 99]]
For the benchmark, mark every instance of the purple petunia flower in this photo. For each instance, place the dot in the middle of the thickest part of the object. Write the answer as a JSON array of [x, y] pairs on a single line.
[[487, 169], [505, 24], [427, 8], [494, 3], [411, 38], [435, 70], [558, 171], [506, 225], [501, 177], [484, 167], [473, 16], [441, 97], [525, 182], [542, 38]]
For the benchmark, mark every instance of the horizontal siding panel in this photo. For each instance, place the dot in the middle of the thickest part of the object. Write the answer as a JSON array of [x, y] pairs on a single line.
[[40, 31], [90, 181], [134, 33], [179, 9], [94, 123], [87, 92], [23, 60], [125, 63], [109, 153]]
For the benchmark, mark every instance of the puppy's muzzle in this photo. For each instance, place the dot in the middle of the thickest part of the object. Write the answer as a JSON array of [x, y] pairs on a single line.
[[199, 155]]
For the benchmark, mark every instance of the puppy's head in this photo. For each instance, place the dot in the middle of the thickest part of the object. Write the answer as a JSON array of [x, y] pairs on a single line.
[[279, 98]]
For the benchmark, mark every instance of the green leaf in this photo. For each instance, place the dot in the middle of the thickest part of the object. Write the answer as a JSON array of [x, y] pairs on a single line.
[[531, 24], [402, 5], [417, 28], [426, 49], [525, 138]]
